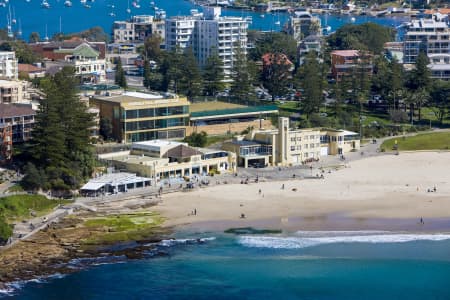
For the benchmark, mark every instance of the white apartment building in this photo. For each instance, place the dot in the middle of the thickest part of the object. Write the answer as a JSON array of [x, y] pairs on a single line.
[[429, 35], [207, 33], [439, 66], [302, 24], [137, 30], [9, 65]]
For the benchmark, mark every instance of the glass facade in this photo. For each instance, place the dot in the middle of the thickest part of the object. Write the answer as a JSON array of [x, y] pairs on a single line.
[[155, 112]]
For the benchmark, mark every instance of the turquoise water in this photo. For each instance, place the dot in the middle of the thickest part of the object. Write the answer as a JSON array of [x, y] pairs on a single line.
[[31, 17], [304, 265]]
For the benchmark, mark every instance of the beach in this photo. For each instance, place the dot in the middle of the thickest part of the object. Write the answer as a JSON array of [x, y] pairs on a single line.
[[381, 190]]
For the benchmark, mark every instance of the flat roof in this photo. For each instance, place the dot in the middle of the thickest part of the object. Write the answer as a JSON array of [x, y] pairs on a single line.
[[155, 144], [234, 112], [112, 179]]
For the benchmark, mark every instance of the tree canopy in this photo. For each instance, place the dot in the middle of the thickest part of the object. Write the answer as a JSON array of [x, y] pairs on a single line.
[[60, 151], [366, 36]]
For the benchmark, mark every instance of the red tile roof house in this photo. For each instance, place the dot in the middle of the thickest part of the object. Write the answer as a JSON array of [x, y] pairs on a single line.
[[31, 71], [343, 61]]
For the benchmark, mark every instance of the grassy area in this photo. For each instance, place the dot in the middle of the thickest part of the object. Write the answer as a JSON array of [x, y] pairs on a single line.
[[212, 105], [212, 139], [124, 227], [19, 206], [426, 141], [17, 188]]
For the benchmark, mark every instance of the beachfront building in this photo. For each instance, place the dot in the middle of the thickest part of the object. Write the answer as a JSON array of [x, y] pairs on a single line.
[[16, 123], [207, 33], [113, 183], [345, 62], [280, 147], [158, 159], [338, 142], [302, 24], [426, 34], [220, 118], [139, 117], [8, 65], [88, 58], [137, 30]]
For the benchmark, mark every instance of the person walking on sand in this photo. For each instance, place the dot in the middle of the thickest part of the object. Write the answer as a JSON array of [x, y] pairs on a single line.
[[260, 191], [421, 221], [282, 187], [195, 211]]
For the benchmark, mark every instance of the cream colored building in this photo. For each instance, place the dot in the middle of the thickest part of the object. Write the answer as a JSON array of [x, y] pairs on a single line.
[[285, 146], [338, 142], [158, 159], [279, 147]]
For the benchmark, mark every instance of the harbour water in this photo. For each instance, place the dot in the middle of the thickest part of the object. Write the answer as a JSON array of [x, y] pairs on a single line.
[[31, 17], [301, 265]]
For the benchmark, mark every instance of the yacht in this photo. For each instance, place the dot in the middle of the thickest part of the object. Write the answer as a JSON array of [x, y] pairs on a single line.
[[68, 3], [45, 4], [160, 14]]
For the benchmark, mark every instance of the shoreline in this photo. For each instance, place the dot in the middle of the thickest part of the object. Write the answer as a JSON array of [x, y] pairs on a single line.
[[383, 193]]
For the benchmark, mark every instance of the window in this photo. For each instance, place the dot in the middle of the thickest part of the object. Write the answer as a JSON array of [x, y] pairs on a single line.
[[292, 148]]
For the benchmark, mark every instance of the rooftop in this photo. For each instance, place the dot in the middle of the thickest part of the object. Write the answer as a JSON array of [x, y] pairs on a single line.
[[11, 110], [182, 151], [346, 52], [112, 179]]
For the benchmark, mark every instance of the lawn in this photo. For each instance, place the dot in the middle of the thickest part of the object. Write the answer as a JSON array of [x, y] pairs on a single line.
[[19, 206], [212, 105], [426, 141], [125, 227]]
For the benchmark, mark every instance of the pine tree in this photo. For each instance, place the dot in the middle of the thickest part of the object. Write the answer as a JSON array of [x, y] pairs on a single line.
[[191, 79], [242, 76], [120, 78], [312, 82], [147, 74], [213, 74], [60, 145]]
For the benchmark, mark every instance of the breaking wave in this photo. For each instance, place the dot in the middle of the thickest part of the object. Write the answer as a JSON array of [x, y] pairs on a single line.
[[305, 239]]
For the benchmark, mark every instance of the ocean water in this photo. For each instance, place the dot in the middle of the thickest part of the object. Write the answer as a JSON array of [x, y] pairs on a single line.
[[301, 265], [31, 17]]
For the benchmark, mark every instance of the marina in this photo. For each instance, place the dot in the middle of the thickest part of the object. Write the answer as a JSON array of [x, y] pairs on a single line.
[[104, 13]]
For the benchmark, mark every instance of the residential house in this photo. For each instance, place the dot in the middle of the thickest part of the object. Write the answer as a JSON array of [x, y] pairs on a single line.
[[345, 62], [88, 58]]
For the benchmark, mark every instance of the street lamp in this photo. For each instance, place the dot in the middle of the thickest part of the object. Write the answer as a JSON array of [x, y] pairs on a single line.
[[430, 115]]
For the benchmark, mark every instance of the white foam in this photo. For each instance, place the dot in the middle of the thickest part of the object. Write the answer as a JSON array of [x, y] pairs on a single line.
[[311, 239], [172, 242]]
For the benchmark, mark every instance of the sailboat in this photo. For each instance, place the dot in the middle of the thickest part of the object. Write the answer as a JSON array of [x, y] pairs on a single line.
[[128, 8], [19, 32], [9, 27], [68, 3], [277, 22], [13, 20]]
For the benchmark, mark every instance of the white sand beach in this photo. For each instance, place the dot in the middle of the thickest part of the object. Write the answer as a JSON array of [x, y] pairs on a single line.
[[382, 187]]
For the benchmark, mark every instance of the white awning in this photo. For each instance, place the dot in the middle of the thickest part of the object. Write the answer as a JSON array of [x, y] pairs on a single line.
[[92, 186]]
